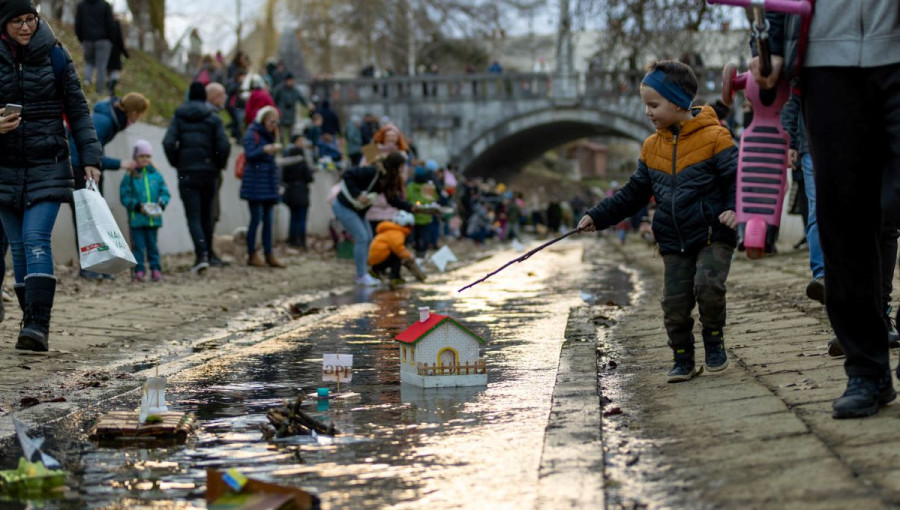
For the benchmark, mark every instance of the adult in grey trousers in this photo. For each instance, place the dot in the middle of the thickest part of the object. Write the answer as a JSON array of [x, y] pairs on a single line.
[[94, 27]]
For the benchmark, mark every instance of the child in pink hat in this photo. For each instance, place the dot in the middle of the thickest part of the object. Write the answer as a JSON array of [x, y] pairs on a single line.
[[144, 194]]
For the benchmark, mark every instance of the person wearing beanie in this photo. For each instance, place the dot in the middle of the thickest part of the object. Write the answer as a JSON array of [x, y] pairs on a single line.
[[33, 143], [144, 194], [196, 145], [11, 8], [197, 91]]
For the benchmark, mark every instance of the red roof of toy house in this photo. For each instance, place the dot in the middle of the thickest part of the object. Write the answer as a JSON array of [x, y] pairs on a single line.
[[420, 329]]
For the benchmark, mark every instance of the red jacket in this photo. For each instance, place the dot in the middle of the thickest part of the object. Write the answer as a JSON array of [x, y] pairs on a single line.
[[258, 99]]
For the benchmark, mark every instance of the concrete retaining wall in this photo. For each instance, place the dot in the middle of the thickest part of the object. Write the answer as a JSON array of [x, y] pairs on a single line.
[[174, 236]]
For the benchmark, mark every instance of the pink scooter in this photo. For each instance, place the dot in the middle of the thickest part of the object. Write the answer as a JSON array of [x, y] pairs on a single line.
[[763, 155]]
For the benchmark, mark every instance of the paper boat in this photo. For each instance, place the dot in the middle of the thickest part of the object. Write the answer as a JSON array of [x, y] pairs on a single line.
[[153, 400], [443, 257]]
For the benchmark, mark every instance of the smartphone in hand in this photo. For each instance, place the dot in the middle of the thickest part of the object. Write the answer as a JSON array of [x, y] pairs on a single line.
[[11, 109]]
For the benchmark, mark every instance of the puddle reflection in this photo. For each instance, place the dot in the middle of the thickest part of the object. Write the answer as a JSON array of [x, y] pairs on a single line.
[[400, 446]]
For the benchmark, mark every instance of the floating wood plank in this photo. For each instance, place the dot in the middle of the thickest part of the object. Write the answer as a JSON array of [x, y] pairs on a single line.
[[124, 425]]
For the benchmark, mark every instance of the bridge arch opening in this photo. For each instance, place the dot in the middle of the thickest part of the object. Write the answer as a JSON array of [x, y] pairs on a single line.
[[506, 148]]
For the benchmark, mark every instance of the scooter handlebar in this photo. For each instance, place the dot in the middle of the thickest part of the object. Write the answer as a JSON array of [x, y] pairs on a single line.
[[800, 7]]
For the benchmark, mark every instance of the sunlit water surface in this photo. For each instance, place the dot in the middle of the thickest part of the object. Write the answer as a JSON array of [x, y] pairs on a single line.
[[399, 446]]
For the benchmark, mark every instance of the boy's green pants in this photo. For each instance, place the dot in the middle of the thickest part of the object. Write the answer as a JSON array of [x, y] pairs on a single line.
[[699, 279]]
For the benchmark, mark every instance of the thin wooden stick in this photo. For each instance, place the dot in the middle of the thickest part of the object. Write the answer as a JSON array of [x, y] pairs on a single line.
[[523, 257]]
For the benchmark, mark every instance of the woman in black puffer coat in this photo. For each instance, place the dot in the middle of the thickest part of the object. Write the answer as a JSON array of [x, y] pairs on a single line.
[[35, 172]]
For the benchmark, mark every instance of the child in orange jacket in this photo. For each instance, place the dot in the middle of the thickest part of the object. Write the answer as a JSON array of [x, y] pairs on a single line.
[[388, 252]]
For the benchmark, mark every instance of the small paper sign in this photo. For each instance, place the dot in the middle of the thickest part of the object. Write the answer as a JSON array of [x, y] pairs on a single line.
[[337, 367]]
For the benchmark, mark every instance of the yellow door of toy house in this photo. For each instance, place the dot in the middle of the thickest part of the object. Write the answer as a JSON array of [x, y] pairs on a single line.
[[447, 358]]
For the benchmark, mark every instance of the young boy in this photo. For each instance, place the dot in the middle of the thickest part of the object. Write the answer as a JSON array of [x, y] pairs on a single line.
[[689, 166], [144, 194], [388, 250]]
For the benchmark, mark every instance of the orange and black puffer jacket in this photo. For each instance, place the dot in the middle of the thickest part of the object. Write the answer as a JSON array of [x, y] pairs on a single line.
[[691, 172]]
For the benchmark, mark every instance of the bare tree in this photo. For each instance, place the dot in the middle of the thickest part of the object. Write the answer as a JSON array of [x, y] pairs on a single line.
[[636, 29], [150, 21], [390, 32]]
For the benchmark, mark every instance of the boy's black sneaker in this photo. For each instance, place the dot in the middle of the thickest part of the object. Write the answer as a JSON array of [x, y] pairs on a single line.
[[684, 369], [716, 358], [714, 345], [863, 397], [815, 290]]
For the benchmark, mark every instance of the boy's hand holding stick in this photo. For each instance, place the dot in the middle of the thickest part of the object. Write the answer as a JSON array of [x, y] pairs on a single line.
[[524, 257]]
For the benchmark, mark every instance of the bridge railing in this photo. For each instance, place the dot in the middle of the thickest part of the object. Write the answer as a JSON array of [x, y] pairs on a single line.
[[434, 88], [474, 87]]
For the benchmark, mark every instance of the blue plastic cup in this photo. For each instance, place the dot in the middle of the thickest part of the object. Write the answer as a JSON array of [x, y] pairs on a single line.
[[322, 392]]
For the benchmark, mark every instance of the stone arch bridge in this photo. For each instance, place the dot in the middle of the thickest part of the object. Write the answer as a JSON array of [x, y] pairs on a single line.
[[495, 123]]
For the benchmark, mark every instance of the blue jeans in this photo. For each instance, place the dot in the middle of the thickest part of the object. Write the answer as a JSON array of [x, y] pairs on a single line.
[[29, 238], [297, 227], [260, 211], [361, 232], [143, 240], [816, 262]]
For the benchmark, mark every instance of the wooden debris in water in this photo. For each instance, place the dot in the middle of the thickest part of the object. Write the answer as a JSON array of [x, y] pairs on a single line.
[[290, 420], [118, 425]]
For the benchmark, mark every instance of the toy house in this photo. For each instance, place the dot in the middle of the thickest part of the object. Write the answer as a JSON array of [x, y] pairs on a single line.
[[439, 352]]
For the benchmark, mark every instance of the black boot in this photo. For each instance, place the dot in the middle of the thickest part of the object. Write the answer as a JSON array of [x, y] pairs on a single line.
[[39, 292], [714, 344]]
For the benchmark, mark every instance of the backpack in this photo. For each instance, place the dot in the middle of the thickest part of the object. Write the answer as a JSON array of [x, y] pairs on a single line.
[[203, 77], [241, 162]]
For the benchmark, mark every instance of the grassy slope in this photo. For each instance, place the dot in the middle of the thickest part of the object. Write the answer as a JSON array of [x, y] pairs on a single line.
[[142, 73]]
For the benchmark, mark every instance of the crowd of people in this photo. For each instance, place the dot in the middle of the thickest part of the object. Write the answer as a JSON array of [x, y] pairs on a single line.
[[285, 138], [390, 198]]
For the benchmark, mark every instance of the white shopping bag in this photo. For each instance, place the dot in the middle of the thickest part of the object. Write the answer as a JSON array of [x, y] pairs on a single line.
[[101, 246]]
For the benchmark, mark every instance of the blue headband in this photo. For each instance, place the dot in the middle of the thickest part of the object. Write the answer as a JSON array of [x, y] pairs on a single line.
[[658, 81]]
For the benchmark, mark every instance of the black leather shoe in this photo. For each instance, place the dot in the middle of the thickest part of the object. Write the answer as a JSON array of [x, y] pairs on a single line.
[[816, 289], [863, 397]]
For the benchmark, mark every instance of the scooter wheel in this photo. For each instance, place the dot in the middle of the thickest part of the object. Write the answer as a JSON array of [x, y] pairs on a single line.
[[728, 76]]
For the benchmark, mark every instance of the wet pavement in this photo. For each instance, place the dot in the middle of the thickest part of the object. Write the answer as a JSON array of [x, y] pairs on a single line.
[[399, 446], [757, 435]]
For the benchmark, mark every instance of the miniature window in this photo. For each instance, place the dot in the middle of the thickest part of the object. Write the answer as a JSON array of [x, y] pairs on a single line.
[[404, 354], [412, 354]]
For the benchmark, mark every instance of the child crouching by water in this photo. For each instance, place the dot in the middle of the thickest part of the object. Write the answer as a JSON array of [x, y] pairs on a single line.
[[689, 166], [144, 194], [388, 250]]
